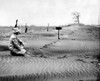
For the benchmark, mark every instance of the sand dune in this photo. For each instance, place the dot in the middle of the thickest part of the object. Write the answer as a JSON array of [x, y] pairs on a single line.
[[21, 67]]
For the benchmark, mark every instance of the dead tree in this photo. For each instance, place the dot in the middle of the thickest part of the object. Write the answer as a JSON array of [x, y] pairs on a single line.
[[76, 17], [26, 28], [16, 23], [48, 27]]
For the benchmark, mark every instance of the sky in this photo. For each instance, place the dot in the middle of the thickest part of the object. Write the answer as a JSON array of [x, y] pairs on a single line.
[[42, 12], [99, 14]]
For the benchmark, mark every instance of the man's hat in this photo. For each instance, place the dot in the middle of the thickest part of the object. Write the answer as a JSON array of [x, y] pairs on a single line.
[[16, 30]]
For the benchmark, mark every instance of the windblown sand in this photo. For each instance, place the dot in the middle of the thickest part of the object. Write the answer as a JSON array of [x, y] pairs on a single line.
[[75, 52]]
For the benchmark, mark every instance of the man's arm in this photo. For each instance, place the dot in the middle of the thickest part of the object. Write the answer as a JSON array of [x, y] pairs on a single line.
[[20, 41], [16, 44]]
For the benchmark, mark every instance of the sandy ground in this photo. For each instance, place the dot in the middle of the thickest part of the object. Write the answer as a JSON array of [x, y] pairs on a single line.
[[53, 48], [80, 47], [75, 41]]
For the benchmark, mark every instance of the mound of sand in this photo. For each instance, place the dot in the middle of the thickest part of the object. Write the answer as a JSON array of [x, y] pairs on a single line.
[[81, 32]]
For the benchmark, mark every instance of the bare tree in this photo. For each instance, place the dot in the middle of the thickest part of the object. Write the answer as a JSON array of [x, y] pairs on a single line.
[[16, 23], [26, 28], [76, 17], [48, 27]]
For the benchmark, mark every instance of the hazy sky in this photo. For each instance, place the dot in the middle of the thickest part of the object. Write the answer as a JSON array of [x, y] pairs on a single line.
[[99, 14], [42, 12]]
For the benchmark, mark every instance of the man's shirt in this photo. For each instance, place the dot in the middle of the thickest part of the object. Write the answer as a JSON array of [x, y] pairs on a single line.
[[15, 44]]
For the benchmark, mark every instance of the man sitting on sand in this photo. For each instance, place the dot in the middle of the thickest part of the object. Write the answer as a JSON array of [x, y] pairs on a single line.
[[16, 45]]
